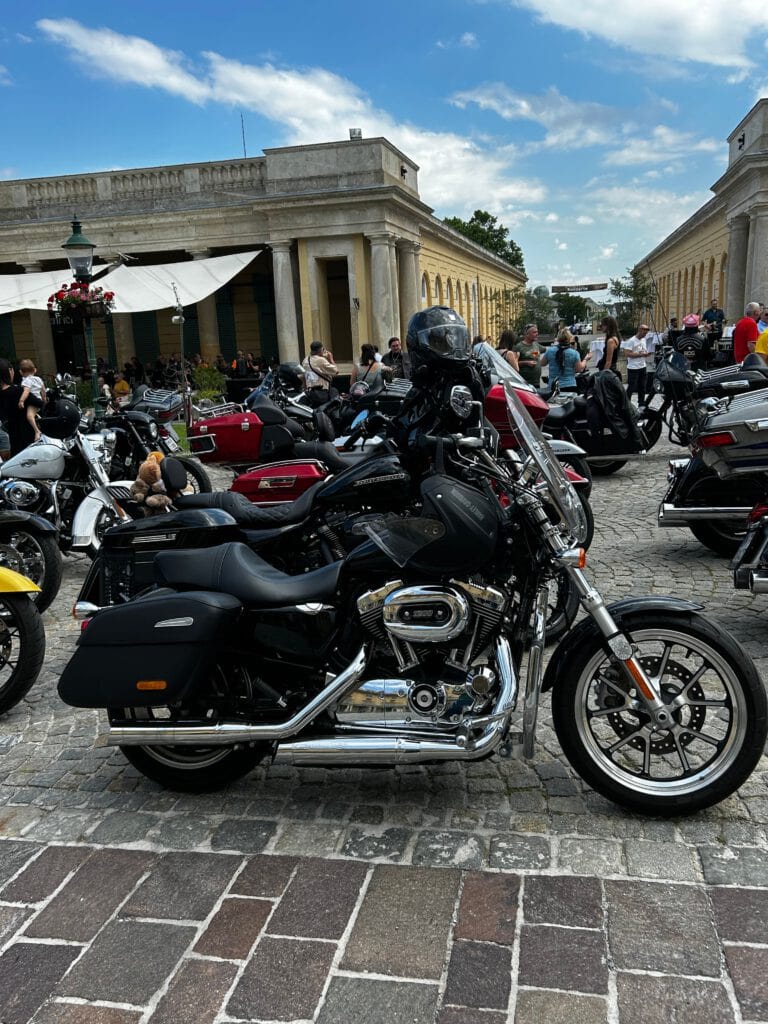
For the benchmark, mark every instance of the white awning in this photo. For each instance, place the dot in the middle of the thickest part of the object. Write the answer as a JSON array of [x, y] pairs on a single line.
[[137, 289], [30, 291]]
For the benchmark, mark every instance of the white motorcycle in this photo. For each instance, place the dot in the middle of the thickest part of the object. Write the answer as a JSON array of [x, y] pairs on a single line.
[[64, 477]]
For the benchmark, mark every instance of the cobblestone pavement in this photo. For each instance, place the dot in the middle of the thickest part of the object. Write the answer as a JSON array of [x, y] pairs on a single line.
[[503, 891]]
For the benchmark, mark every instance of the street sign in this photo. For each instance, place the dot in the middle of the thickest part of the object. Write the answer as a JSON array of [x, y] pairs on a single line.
[[560, 288]]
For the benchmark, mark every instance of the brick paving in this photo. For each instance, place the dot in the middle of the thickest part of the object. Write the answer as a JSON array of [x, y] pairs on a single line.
[[504, 891]]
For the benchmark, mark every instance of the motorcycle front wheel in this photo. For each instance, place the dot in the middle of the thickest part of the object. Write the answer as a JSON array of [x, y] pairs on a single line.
[[36, 556], [717, 703], [22, 647]]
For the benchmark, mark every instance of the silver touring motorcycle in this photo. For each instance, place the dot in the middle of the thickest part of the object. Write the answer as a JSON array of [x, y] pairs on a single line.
[[425, 644]]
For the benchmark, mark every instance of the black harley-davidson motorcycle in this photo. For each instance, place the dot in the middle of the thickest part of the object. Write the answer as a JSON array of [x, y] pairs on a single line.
[[410, 650]]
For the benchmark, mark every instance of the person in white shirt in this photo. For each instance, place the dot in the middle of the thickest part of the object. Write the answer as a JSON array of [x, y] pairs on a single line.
[[637, 353], [32, 385]]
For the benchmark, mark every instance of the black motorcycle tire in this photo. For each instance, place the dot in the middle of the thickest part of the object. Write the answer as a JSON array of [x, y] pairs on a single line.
[[563, 607], [607, 468], [189, 769], [589, 516], [196, 475], [38, 557], [579, 465], [596, 715], [719, 536], [20, 621]]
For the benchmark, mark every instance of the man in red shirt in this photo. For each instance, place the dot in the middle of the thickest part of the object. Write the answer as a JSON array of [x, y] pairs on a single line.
[[745, 332]]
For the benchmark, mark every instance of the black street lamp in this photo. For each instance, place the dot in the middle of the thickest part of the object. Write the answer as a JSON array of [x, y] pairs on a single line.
[[79, 252]]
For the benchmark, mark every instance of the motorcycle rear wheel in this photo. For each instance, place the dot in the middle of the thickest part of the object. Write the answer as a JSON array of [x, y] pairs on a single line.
[[607, 468], [22, 647], [717, 702], [719, 536], [189, 769], [196, 475]]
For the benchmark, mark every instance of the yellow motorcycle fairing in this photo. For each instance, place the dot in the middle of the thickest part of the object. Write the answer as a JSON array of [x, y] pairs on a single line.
[[14, 583]]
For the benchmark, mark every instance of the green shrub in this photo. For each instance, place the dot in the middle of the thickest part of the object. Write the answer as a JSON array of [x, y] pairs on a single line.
[[208, 382]]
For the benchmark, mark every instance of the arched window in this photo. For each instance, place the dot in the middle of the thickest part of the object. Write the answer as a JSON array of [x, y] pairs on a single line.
[[475, 324], [459, 299], [439, 291], [426, 294], [450, 293]]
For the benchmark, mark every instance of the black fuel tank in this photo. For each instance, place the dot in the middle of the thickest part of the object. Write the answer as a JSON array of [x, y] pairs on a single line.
[[380, 481]]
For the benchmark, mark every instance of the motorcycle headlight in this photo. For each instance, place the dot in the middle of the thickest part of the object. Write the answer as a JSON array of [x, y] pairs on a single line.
[[153, 431]]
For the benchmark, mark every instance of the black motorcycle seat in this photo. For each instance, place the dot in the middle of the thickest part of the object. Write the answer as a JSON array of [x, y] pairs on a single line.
[[560, 415], [754, 361], [246, 513], [234, 569], [270, 414]]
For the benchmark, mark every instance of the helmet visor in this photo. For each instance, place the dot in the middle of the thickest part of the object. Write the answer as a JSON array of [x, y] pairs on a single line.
[[451, 341]]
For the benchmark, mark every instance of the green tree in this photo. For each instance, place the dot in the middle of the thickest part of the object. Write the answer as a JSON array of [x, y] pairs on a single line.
[[484, 228], [538, 308], [634, 296], [572, 308]]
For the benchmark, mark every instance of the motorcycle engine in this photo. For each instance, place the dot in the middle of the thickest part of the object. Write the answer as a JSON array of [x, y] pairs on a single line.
[[25, 495], [431, 638]]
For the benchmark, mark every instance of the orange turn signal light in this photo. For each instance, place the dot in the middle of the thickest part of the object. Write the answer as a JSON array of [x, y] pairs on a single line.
[[152, 684]]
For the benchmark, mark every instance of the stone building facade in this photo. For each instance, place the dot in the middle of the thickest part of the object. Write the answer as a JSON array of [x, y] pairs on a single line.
[[347, 251], [721, 252]]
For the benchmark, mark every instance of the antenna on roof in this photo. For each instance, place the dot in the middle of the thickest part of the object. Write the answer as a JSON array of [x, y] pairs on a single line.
[[242, 132]]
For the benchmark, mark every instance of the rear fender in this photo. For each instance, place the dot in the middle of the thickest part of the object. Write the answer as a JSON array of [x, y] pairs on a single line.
[[587, 632]]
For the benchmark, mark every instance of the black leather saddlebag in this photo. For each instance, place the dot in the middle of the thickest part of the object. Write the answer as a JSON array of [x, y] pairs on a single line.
[[149, 653]]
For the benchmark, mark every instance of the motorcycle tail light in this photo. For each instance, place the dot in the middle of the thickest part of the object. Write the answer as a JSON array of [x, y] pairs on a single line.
[[757, 513], [719, 440]]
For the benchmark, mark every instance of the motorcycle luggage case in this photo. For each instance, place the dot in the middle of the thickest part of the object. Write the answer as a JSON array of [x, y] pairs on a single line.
[[278, 482], [149, 653], [746, 420], [125, 564], [232, 438]]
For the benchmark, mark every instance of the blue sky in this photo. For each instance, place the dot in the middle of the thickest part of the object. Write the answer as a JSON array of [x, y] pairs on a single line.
[[590, 129]]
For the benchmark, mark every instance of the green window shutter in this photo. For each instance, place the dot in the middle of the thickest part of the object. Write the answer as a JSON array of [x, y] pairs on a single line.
[[145, 340], [264, 297], [7, 344], [225, 317], [111, 348], [191, 332]]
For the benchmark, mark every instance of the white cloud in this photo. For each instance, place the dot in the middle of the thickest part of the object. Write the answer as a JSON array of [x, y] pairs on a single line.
[[652, 213], [126, 58], [551, 218], [311, 105], [607, 252], [569, 124], [718, 32], [467, 40], [660, 145], [560, 246], [5, 75], [584, 219]]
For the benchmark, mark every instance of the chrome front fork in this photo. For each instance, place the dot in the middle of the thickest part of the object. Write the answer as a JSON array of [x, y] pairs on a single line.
[[534, 672]]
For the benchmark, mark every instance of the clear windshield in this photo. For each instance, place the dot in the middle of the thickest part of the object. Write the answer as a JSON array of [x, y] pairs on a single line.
[[560, 492], [493, 362], [401, 539]]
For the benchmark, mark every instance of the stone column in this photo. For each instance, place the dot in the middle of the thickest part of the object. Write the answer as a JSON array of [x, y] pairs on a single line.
[[207, 321], [285, 303], [410, 283], [395, 290], [738, 233], [125, 347], [757, 271], [42, 335], [381, 289]]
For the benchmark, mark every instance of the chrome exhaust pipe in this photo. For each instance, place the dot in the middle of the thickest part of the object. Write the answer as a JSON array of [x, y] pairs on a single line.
[[327, 751], [758, 582], [227, 733], [673, 515]]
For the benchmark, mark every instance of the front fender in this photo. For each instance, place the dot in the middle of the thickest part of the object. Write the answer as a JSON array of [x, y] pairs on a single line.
[[587, 630], [87, 513], [14, 583], [12, 519]]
